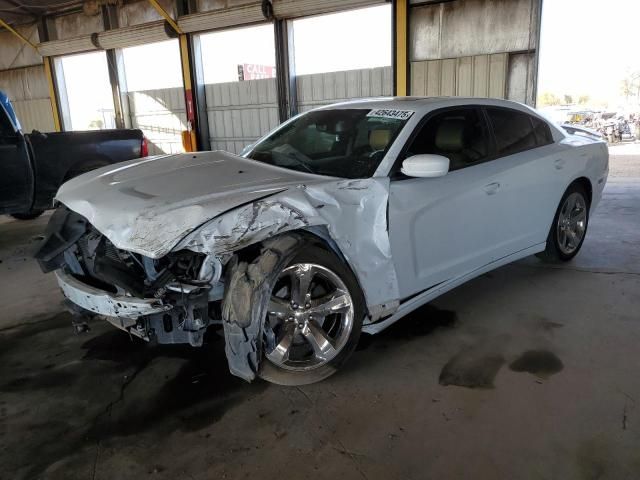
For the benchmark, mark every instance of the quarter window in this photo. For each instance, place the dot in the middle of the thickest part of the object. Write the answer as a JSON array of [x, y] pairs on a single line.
[[513, 131], [542, 132], [458, 134]]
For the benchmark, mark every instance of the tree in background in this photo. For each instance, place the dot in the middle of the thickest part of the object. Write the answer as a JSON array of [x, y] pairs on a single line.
[[568, 99], [548, 99], [630, 86]]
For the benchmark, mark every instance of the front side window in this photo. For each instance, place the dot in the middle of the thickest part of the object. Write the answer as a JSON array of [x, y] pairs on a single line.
[[458, 134], [513, 131], [347, 143]]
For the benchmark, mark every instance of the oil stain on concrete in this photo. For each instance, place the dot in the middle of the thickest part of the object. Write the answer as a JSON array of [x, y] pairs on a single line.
[[541, 363], [473, 367]]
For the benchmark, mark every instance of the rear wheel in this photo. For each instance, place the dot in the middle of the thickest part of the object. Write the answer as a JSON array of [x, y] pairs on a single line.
[[569, 226], [313, 321]]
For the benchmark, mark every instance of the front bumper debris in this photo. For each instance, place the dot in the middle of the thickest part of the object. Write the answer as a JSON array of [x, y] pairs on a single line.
[[105, 303]]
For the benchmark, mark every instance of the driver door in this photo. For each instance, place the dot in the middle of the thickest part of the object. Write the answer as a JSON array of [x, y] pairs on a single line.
[[442, 228]]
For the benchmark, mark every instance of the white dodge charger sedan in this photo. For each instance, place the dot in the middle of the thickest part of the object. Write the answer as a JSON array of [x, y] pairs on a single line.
[[341, 220]]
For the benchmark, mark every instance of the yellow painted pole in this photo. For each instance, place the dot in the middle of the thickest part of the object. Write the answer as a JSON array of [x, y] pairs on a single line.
[[401, 41], [52, 94], [189, 140]]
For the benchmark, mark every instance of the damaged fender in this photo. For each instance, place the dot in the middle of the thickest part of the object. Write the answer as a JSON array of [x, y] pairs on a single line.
[[353, 212]]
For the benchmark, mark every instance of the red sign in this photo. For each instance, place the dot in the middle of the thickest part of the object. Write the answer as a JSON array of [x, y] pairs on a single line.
[[251, 71]]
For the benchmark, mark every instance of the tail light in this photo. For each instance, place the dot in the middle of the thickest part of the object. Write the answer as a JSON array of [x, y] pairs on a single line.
[[144, 147]]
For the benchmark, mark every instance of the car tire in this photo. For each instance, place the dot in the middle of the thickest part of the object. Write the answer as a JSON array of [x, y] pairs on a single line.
[[569, 227], [27, 215], [325, 268]]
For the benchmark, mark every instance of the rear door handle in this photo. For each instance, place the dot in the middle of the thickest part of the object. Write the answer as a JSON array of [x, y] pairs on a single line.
[[559, 163], [492, 188]]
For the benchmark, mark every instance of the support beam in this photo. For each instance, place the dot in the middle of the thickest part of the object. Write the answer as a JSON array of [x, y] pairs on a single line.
[[285, 70], [400, 34], [199, 93], [110, 21], [166, 16], [53, 96], [189, 138], [18, 34]]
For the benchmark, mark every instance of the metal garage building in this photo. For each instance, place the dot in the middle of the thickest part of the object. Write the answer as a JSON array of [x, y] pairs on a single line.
[[461, 47]]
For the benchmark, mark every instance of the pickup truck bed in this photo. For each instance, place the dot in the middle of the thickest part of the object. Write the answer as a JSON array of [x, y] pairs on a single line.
[[57, 157], [33, 166]]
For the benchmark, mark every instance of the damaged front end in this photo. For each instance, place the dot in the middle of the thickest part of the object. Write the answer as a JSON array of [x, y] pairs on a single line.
[[172, 299]]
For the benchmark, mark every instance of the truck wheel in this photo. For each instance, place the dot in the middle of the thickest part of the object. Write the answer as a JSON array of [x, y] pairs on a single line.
[[569, 226], [27, 215], [313, 320]]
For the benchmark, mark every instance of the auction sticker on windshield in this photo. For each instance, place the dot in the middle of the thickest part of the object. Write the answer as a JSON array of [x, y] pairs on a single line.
[[390, 113]]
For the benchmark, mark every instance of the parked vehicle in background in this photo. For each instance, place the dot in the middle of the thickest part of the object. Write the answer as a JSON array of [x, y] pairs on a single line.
[[342, 220], [33, 166]]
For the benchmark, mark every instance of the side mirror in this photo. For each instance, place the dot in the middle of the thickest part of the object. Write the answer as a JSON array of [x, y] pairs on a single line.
[[425, 166]]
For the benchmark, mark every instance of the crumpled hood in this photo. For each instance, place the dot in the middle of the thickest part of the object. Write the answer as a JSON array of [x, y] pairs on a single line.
[[148, 205]]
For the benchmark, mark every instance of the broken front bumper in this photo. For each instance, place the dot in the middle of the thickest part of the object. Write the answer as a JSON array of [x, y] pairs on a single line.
[[105, 303]]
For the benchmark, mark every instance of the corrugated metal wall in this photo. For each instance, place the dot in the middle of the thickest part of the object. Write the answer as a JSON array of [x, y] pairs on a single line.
[[240, 112], [28, 90], [325, 88], [474, 48], [161, 115], [475, 76]]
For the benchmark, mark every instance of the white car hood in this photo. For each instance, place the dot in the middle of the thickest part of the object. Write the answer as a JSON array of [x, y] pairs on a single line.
[[148, 205]]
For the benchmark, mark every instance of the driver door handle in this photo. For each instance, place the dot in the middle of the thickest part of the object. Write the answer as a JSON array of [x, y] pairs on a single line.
[[492, 188]]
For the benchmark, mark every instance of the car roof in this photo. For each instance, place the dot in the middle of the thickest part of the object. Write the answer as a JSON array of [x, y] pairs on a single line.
[[425, 104]]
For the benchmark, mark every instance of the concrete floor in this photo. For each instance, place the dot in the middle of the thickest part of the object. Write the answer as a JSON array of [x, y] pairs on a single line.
[[549, 357]]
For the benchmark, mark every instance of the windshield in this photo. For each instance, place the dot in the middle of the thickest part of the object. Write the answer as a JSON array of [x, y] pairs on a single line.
[[346, 143]]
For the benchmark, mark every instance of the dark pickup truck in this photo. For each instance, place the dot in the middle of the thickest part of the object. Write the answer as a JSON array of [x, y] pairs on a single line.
[[33, 166]]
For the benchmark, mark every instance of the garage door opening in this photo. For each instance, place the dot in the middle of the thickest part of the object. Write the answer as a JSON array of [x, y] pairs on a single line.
[[153, 94], [354, 61], [86, 99], [240, 84]]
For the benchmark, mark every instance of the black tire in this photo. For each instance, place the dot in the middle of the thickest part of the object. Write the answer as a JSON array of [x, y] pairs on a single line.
[[553, 253], [27, 215], [313, 252]]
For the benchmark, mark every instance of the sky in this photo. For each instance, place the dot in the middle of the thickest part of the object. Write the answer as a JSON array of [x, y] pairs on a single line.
[[587, 46]]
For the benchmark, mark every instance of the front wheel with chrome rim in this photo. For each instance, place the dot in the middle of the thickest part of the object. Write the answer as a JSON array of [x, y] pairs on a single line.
[[569, 226], [313, 321]]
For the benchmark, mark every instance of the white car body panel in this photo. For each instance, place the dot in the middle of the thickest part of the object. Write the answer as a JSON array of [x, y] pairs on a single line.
[[441, 231]]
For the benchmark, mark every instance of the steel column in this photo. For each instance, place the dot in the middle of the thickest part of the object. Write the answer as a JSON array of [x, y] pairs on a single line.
[[400, 15], [285, 70]]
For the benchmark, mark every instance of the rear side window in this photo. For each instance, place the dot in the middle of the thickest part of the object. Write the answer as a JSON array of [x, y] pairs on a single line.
[[459, 134], [513, 131], [542, 132]]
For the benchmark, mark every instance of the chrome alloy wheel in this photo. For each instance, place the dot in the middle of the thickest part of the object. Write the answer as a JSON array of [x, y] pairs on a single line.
[[572, 223], [309, 317]]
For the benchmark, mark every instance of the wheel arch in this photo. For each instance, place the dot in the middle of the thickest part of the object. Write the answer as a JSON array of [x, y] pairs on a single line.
[[317, 233], [585, 183]]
